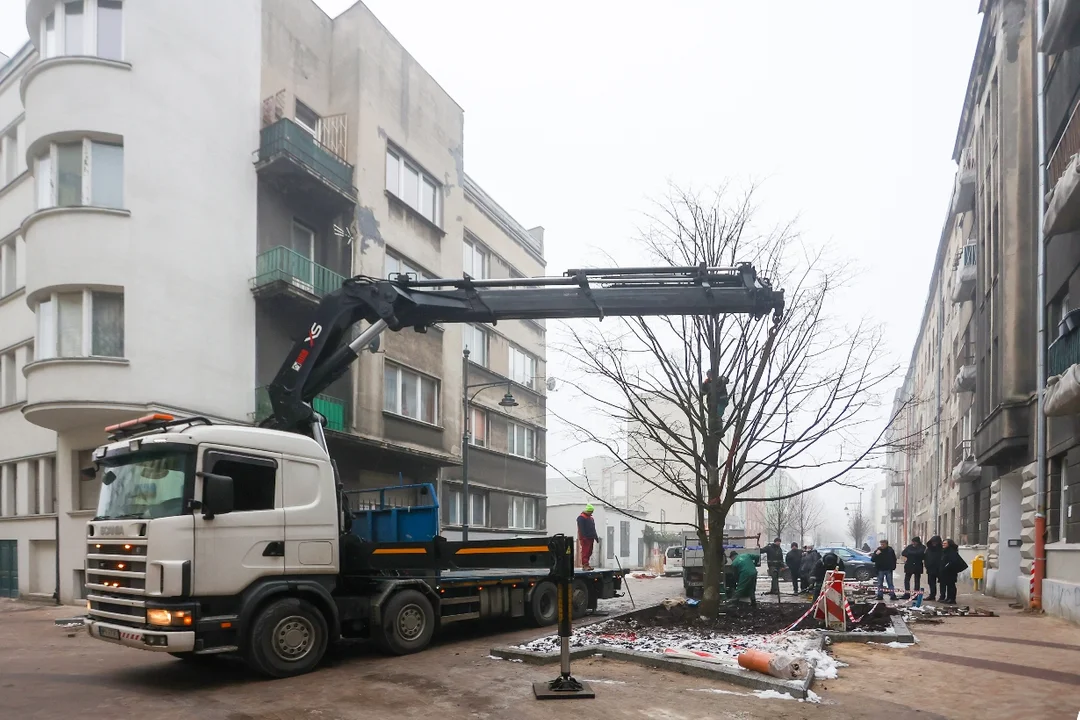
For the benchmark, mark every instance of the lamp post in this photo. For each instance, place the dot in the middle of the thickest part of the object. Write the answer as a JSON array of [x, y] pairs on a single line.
[[507, 401]]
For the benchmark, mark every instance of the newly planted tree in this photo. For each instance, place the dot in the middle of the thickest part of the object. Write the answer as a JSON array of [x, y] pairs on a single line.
[[801, 392]]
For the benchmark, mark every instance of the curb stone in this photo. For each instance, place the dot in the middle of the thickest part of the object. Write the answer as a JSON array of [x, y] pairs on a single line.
[[902, 634]]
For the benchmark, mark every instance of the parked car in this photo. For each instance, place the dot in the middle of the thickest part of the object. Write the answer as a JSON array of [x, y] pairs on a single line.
[[673, 558], [858, 565]]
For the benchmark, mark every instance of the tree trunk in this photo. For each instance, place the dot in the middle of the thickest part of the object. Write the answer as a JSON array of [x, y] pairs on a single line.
[[713, 547]]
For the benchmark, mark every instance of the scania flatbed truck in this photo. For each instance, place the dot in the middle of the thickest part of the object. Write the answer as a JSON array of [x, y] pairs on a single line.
[[214, 538]]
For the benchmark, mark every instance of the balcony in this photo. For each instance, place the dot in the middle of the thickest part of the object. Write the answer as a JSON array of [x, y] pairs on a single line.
[[965, 363], [966, 469], [303, 169], [1062, 395], [335, 410], [1063, 173], [1062, 28], [283, 271], [965, 274], [964, 192]]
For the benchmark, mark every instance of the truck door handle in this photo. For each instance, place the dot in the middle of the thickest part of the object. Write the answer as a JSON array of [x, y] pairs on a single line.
[[274, 548]]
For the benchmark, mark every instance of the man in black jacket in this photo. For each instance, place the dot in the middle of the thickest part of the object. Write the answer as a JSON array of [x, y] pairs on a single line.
[[775, 555], [914, 554], [885, 561], [794, 563], [933, 566], [829, 561]]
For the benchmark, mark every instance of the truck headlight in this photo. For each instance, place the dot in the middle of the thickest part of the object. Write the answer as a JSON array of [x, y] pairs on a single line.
[[160, 616]]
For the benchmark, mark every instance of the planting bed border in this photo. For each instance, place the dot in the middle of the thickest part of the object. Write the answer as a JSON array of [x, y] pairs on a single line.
[[748, 678]]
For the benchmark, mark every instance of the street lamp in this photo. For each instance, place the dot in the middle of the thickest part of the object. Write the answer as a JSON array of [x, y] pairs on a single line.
[[507, 401]]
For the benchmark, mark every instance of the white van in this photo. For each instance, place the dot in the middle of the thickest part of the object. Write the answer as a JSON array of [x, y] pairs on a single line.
[[673, 560]]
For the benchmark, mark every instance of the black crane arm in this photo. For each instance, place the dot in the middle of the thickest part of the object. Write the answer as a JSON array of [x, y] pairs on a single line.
[[403, 301]]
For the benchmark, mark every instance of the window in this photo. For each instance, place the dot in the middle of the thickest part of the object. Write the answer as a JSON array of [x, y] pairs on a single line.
[[7, 375], [73, 27], [85, 28], [610, 542], [474, 260], [412, 185], [109, 29], [521, 441], [81, 173], [522, 513], [80, 324], [254, 480], [624, 538], [9, 150], [475, 340], [410, 394], [9, 279], [395, 264], [478, 427], [478, 501], [307, 118], [522, 367]]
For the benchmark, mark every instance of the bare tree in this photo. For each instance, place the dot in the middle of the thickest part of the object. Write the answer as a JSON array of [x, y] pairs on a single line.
[[807, 516], [780, 508], [804, 389], [858, 526]]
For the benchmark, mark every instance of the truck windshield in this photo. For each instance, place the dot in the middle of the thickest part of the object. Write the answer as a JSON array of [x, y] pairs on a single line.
[[145, 485]]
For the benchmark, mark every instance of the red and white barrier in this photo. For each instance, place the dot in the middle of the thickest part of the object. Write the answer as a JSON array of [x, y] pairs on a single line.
[[831, 602]]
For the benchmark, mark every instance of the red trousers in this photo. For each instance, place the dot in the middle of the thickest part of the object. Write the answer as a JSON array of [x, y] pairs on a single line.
[[586, 550]]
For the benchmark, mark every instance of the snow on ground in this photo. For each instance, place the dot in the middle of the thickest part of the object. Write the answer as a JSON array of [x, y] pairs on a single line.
[[645, 592]]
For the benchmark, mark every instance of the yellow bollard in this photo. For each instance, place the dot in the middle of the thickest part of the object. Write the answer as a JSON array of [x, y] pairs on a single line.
[[978, 565]]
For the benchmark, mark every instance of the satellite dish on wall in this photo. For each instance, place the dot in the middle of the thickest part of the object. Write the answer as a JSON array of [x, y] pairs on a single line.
[[373, 346], [551, 384]]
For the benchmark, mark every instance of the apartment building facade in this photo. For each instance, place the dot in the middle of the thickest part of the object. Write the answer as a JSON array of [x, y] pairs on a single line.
[[964, 413], [166, 228]]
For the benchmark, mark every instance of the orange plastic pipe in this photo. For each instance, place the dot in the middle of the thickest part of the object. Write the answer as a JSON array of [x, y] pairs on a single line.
[[756, 660]]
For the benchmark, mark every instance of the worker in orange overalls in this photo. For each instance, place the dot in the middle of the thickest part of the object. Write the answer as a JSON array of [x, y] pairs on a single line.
[[586, 532]]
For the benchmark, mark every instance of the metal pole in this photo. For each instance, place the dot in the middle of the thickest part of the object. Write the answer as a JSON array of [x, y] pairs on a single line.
[[562, 573], [465, 439], [938, 455], [1040, 314]]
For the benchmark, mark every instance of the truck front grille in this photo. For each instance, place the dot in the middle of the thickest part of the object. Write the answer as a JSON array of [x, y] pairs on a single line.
[[116, 580]]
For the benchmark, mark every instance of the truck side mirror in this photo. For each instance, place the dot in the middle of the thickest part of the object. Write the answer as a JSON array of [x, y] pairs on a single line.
[[218, 495]]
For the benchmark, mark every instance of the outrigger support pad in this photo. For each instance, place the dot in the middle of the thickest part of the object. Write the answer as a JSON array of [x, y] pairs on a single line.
[[565, 686]]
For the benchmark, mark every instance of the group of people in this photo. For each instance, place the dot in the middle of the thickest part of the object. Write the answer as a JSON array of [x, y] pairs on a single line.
[[939, 558], [807, 567]]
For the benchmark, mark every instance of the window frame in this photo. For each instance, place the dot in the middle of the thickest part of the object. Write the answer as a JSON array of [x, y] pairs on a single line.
[[395, 156], [10, 251], [511, 440], [482, 359], [404, 262], [475, 248], [525, 520], [90, 42], [530, 377], [86, 340], [213, 456], [398, 369], [313, 130], [46, 180], [476, 412]]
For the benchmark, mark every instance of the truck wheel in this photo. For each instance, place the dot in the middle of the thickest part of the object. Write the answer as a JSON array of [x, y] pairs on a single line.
[[579, 598], [288, 638], [544, 604], [408, 622]]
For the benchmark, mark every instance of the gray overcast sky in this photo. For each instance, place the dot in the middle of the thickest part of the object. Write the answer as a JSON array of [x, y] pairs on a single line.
[[577, 113]]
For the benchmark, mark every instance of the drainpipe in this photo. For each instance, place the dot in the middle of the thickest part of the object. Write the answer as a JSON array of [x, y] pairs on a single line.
[[1040, 300], [937, 395]]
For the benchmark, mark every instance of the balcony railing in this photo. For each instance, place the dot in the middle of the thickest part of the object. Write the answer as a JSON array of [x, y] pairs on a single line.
[[284, 265], [335, 410], [284, 140], [1063, 353], [965, 368], [966, 273], [964, 192]]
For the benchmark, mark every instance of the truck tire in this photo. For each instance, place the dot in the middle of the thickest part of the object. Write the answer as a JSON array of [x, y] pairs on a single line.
[[579, 600], [408, 623], [288, 637], [544, 604]]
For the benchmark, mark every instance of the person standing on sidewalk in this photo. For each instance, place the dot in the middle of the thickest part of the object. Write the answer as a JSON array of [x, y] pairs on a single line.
[[914, 555], [810, 560], [794, 563], [586, 532], [885, 561], [933, 566], [775, 555], [951, 567]]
